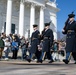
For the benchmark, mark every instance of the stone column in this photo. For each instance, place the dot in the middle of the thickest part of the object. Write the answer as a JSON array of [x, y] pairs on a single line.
[[8, 17], [54, 23], [41, 22], [32, 17], [21, 18]]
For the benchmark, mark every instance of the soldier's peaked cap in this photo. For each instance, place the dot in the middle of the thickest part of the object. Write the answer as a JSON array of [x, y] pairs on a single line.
[[47, 24], [35, 25], [71, 15]]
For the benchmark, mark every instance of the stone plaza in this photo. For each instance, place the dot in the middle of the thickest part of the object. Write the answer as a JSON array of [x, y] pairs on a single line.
[[19, 67]]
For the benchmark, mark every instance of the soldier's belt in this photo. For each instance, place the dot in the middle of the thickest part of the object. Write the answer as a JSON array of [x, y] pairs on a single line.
[[70, 31], [34, 38], [46, 38]]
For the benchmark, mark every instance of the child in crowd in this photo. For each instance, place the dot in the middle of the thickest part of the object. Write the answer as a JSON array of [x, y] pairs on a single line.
[[6, 48]]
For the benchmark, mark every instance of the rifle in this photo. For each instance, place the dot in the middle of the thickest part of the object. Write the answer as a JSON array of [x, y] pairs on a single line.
[[64, 32], [66, 23]]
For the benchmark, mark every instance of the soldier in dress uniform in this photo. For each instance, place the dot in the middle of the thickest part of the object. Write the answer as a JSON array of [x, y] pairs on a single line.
[[47, 37], [34, 42], [70, 31]]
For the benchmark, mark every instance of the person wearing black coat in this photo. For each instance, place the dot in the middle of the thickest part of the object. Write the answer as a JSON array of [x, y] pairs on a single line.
[[47, 37], [2, 45], [34, 42], [70, 31]]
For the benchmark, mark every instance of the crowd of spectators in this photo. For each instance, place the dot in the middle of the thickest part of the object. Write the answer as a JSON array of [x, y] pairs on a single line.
[[14, 42]]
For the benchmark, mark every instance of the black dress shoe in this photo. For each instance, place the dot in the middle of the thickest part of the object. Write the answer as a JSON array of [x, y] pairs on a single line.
[[29, 60], [51, 61], [40, 61], [37, 61], [65, 61], [75, 62]]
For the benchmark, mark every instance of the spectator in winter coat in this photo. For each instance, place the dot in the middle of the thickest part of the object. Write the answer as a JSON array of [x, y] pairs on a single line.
[[1, 46], [6, 48], [14, 49]]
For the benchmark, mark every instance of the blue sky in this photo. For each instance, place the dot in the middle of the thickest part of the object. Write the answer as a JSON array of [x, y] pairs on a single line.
[[66, 7]]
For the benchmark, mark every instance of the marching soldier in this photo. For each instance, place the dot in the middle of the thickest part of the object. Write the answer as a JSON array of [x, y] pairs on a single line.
[[47, 37], [70, 31], [34, 42]]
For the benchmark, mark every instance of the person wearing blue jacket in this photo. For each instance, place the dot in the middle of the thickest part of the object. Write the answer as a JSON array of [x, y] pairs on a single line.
[[14, 49]]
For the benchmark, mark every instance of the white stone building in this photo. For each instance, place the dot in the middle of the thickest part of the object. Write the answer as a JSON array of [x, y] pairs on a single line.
[[18, 16]]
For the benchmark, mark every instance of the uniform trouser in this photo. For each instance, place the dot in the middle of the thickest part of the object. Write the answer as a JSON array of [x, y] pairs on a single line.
[[43, 55], [1, 50], [38, 54], [74, 55], [68, 55]]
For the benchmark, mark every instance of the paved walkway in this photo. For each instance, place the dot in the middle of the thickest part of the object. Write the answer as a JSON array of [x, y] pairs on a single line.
[[19, 67]]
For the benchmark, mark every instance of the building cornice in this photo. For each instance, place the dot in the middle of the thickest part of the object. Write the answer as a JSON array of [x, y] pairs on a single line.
[[35, 2], [52, 5]]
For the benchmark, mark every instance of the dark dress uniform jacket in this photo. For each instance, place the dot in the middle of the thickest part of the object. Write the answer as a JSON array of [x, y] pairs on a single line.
[[71, 37], [34, 41], [47, 40]]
